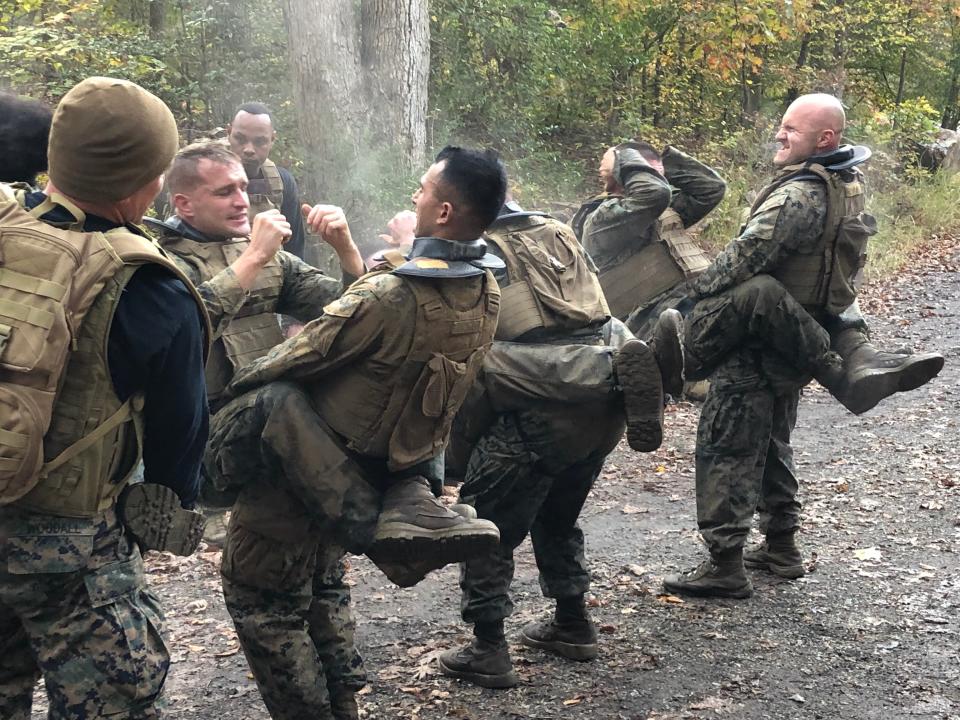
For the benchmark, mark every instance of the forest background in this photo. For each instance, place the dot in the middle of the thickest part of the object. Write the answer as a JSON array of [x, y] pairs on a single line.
[[365, 90]]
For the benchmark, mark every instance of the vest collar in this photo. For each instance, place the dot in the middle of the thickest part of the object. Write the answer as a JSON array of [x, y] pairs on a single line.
[[437, 257], [843, 158], [178, 226], [512, 211]]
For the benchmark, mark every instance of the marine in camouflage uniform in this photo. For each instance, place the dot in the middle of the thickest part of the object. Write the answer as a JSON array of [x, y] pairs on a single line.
[[636, 232], [243, 313], [354, 408], [531, 471], [758, 332], [74, 604]]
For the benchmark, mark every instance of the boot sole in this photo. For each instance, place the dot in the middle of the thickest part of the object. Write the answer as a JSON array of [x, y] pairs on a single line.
[[868, 387], [670, 345], [735, 594], [153, 515], [495, 682], [400, 542], [570, 651], [791, 572], [639, 377]]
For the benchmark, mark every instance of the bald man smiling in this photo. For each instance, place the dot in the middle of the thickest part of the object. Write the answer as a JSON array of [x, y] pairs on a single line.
[[775, 309]]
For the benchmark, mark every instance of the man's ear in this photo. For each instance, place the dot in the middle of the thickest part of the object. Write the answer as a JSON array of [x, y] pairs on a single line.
[[446, 214], [229, 129], [182, 205]]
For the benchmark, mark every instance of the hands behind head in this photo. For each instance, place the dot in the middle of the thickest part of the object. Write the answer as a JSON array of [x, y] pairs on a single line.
[[627, 160], [329, 222], [270, 231]]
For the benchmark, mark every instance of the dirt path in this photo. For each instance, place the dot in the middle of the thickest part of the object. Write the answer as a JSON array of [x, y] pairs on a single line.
[[872, 632]]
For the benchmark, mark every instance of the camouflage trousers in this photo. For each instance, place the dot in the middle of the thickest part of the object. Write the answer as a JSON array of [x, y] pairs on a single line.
[[744, 461], [758, 347], [282, 570], [642, 319], [75, 609], [272, 439], [524, 376], [292, 612], [531, 473]]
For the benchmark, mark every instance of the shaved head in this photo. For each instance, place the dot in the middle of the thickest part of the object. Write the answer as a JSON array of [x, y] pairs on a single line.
[[812, 125], [825, 111]]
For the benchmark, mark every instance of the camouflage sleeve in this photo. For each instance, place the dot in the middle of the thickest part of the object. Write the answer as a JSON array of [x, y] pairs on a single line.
[[621, 222], [792, 218], [306, 290], [348, 329], [698, 188], [222, 295]]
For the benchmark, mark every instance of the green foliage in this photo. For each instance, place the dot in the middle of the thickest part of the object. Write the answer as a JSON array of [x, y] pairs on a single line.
[[550, 83]]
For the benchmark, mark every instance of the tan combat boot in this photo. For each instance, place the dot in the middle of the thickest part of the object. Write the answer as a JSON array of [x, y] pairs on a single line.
[[569, 633], [666, 340], [409, 573], [416, 529], [638, 376]]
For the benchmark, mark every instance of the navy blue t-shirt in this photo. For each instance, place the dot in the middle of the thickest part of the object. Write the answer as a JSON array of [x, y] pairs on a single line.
[[156, 347]]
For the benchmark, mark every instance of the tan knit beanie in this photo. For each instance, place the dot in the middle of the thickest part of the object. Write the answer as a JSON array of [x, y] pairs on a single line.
[[108, 139]]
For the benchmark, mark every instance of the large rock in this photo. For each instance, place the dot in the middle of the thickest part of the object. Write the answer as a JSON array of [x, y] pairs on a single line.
[[943, 153]]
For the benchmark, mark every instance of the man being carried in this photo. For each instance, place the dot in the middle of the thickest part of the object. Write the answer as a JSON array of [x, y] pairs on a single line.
[[757, 330], [359, 404], [636, 232]]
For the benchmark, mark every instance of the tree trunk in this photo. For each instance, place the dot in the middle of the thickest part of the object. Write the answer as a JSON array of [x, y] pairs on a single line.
[[839, 80], [657, 84], [360, 72], [395, 53], [951, 106], [793, 92], [324, 53], [158, 16]]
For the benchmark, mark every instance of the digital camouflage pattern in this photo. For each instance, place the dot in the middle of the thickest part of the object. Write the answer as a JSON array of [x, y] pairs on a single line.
[[75, 609], [531, 473], [759, 348], [294, 621], [282, 571], [743, 455], [789, 222]]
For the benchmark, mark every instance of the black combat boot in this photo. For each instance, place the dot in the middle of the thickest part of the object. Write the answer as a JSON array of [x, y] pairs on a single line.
[[343, 704], [638, 376], [666, 342], [484, 662], [410, 572], [777, 554], [872, 375], [415, 527], [569, 634], [720, 576]]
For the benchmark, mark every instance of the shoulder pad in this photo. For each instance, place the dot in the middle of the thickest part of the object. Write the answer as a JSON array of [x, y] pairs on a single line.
[[344, 306]]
